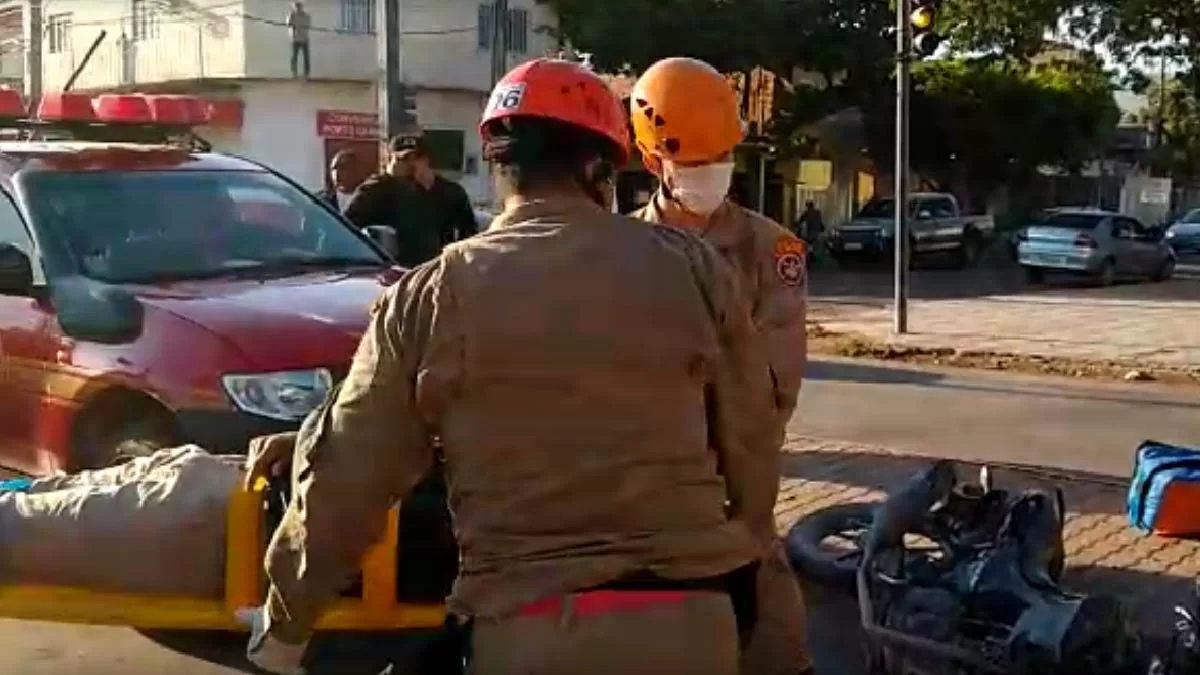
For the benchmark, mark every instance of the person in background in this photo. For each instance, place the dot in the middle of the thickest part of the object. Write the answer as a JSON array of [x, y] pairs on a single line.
[[426, 211], [442, 205], [299, 23], [686, 124], [603, 478], [810, 224], [343, 180]]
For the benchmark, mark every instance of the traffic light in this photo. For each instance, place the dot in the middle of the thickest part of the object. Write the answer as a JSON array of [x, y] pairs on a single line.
[[924, 27]]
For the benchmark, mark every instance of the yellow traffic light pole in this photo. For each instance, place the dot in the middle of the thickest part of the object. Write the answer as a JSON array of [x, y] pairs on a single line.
[[904, 39]]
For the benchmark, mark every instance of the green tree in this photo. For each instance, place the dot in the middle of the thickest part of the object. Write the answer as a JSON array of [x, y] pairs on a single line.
[[985, 122], [843, 42], [1016, 29], [1175, 110], [1138, 29]]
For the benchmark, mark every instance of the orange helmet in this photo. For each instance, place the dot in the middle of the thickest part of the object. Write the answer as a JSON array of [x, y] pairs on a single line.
[[560, 90], [683, 110]]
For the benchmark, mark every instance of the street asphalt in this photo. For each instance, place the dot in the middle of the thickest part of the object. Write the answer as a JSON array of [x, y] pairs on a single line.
[[968, 415], [1080, 424]]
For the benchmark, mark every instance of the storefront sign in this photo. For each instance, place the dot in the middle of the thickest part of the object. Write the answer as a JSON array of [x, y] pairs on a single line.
[[347, 124]]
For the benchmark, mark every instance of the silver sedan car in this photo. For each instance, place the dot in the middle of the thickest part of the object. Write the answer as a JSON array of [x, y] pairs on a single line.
[[1184, 234], [1104, 245]]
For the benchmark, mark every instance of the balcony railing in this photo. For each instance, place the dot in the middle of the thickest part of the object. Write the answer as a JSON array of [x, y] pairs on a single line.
[[172, 51]]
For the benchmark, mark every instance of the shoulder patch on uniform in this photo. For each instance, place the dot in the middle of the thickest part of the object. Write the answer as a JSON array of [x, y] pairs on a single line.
[[790, 254]]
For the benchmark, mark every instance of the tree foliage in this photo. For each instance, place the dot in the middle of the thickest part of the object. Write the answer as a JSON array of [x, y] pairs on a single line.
[[996, 117], [1175, 110], [986, 122], [843, 41]]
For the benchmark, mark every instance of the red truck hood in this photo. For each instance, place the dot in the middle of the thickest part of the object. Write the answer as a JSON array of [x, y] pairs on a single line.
[[279, 323]]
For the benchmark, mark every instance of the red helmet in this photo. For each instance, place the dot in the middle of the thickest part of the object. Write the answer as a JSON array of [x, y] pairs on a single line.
[[564, 91]]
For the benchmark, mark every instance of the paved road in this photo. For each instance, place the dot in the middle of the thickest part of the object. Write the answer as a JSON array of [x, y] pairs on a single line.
[[873, 285], [1079, 425], [991, 309], [953, 414]]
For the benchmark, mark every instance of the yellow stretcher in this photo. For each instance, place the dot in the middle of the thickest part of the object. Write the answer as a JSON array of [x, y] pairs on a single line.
[[376, 610]]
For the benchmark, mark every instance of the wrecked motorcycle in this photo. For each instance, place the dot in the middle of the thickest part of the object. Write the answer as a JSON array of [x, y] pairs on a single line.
[[980, 593], [1182, 653]]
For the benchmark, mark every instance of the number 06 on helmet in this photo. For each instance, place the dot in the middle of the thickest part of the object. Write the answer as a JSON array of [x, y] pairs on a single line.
[[563, 91]]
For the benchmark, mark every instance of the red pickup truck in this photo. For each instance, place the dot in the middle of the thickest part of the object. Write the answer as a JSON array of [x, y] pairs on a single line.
[[151, 295]]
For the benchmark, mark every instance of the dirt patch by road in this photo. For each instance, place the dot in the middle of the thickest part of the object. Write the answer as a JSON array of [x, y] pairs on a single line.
[[824, 341]]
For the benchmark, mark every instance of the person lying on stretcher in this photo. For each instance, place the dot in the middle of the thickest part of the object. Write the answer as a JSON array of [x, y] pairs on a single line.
[[156, 525]]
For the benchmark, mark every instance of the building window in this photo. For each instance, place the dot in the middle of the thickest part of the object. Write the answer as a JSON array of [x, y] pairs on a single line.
[[518, 31], [58, 33], [358, 16], [517, 27], [145, 20], [484, 26]]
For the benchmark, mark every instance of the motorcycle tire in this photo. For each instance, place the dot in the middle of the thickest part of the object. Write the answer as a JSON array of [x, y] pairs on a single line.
[[818, 564]]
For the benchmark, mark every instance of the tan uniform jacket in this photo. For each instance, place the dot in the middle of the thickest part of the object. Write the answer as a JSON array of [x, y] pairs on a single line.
[[770, 264], [591, 379]]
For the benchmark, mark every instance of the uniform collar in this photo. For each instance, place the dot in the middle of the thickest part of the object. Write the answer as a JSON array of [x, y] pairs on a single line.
[[545, 209], [722, 229]]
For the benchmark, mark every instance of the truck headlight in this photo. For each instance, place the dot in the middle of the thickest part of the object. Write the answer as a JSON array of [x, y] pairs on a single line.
[[286, 395]]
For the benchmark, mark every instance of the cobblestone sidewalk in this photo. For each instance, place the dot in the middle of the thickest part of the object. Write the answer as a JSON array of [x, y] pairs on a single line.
[[1103, 553], [1081, 324]]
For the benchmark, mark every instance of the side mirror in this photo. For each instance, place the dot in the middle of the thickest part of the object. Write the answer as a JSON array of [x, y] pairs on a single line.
[[385, 237], [16, 271]]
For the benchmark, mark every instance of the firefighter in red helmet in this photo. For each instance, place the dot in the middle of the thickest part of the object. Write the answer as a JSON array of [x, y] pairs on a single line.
[[582, 450]]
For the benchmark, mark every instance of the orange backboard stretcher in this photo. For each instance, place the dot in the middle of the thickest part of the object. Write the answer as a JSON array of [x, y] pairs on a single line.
[[376, 610]]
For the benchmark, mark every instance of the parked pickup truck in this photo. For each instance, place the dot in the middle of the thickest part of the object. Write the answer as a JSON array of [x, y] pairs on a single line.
[[936, 225]]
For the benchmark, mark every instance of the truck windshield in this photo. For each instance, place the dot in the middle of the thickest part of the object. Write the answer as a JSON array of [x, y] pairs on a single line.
[[153, 226], [1073, 221], [882, 208]]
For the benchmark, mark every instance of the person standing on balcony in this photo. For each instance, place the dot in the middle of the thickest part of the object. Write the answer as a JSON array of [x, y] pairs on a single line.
[[299, 22]]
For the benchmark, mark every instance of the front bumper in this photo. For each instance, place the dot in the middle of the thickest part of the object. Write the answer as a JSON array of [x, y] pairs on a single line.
[[1068, 260], [864, 244], [1185, 244], [226, 432]]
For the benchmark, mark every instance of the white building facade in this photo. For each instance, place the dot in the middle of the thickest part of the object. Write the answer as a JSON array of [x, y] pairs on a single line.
[[239, 52]]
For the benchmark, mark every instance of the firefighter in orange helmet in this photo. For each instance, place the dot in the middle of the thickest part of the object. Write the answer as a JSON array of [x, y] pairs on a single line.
[[686, 124], [596, 533]]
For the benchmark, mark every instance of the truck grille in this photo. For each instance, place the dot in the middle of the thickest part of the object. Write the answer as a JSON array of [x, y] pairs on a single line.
[[860, 236]]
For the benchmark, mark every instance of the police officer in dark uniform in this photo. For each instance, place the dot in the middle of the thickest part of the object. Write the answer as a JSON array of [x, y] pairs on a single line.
[[426, 211]]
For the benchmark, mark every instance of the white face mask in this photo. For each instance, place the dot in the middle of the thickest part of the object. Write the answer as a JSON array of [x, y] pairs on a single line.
[[699, 189]]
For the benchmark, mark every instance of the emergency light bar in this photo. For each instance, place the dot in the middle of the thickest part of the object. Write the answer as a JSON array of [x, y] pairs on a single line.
[[111, 118], [174, 110], [12, 104]]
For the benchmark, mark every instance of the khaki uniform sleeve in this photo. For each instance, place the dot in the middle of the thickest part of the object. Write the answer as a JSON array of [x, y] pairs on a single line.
[[742, 415], [357, 455], [781, 315]]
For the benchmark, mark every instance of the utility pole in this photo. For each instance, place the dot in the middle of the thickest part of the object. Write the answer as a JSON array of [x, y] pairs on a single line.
[[499, 40], [32, 37], [391, 83], [1161, 113], [904, 44], [499, 65]]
